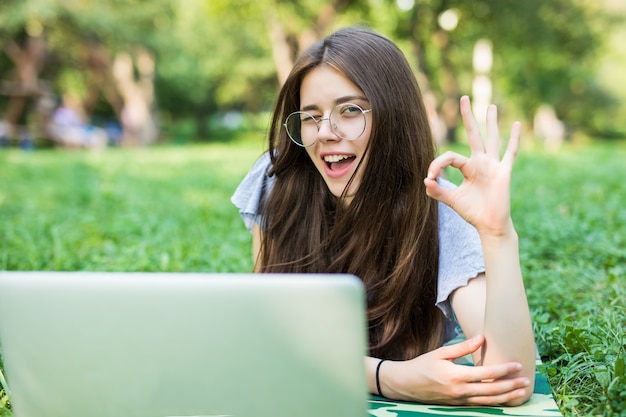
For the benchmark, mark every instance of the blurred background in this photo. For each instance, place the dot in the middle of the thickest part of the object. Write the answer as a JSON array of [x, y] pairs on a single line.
[[99, 73]]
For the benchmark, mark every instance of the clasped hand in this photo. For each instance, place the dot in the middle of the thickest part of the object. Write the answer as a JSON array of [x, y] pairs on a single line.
[[434, 378]]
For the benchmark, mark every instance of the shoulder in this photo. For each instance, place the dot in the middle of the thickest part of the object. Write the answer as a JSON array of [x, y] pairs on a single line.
[[248, 195]]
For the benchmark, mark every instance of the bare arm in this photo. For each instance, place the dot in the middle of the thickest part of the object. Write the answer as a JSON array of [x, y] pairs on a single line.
[[494, 304], [506, 328]]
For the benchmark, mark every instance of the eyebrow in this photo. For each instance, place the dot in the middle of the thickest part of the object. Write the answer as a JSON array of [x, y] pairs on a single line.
[[339, 100]]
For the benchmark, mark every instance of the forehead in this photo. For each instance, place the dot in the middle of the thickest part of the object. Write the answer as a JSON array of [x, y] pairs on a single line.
[[324, 86]]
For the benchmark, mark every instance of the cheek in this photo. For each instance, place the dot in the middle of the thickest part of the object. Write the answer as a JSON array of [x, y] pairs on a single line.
[[364, 143], [312, 153]]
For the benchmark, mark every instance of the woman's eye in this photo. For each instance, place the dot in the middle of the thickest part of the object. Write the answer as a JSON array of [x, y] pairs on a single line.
[[309, 119], [350, 109]]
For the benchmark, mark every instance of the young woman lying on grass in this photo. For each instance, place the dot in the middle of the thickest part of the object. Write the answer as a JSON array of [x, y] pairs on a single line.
[[351, 184]]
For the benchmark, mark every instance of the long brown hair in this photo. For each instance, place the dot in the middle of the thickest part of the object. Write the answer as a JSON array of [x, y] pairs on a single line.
[[387, 235]]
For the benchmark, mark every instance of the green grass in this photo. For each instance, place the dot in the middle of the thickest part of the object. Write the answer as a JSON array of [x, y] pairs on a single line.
[[569, 210], [162, 209], [168, 209]]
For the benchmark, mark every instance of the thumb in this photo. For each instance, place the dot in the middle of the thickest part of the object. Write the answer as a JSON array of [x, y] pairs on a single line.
[[461, 349]]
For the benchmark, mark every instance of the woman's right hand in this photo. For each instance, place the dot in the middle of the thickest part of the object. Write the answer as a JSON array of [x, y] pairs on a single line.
[[433, 378]]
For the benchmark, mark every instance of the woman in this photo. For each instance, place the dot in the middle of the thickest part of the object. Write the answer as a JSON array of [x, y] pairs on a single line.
[[351, 183]]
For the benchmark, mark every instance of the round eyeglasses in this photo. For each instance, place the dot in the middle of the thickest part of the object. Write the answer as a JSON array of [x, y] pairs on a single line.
[[346, 121]]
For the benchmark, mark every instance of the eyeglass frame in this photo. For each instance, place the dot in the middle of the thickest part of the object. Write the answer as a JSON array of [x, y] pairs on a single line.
[[319, 120]]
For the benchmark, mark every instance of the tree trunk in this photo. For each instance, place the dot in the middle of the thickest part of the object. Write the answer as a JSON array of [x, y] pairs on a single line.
[[99, 78], [423, 75], [281, 50], [137, 116], [287, 46], [24, 90]]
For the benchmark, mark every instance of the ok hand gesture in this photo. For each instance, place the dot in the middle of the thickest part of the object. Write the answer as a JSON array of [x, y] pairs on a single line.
[[483, 198]]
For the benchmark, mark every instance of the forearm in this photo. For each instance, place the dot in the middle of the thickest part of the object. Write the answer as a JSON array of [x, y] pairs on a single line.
[[370, 373], [507, 325]]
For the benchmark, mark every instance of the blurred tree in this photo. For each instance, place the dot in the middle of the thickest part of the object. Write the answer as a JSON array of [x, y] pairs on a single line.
[[23, 89], [544, 52], [233, 54], [84, 40], [202, 57], [292, 26], [212, 61]]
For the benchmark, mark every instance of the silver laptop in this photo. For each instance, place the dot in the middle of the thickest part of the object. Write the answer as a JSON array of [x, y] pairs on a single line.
[[78, 344]]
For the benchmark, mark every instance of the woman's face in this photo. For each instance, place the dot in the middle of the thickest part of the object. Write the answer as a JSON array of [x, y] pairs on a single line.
[[335, 158]]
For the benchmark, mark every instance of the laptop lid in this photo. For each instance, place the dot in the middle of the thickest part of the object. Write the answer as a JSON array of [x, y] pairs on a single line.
[[79, 344]]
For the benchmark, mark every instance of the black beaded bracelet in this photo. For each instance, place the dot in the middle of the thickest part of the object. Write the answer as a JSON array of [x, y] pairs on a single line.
[[380, 394]]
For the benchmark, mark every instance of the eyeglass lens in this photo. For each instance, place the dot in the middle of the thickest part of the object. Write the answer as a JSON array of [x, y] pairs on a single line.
[[346, 120]]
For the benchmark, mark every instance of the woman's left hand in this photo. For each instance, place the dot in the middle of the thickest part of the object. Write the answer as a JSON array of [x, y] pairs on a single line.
[[483, 198]]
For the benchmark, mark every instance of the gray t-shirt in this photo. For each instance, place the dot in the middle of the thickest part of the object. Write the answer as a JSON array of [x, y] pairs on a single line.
[[460, 251]]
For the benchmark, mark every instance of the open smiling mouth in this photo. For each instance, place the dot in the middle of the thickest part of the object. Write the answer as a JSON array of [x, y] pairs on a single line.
[[338, 162]]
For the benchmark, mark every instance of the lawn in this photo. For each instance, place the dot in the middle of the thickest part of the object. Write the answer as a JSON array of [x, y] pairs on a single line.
[[168, 209]]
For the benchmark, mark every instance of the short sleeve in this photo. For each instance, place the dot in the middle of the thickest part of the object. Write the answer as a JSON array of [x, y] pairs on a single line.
[[248, 195], [460, 253]]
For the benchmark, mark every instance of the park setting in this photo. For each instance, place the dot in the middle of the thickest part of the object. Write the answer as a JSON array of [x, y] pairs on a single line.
[[126, 126]]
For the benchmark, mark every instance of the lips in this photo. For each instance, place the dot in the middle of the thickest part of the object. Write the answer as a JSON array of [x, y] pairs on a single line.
[[337, 165]]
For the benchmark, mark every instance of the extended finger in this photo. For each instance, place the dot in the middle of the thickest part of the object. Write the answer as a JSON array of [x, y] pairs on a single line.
[[473, 132], [493, 372], [461, 349], [493, 134], [499, 387], [499, 399], [513, 145]]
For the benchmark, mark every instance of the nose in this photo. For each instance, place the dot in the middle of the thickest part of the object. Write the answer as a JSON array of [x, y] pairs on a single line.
[[325, 131]]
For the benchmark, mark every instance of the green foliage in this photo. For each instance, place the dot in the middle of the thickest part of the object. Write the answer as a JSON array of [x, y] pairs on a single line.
[[210, 59], [544, 52], [586, 362], [217, 55]]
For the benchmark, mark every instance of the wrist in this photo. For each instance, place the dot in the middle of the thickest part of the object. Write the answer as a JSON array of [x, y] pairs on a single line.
[[389, 377], [377, 378], [503, 233]]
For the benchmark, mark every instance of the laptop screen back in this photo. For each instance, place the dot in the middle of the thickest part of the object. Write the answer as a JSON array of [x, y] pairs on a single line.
[[165, 344]]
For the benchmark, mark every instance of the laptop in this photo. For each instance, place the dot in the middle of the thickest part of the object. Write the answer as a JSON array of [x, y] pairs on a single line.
[[95, 344]]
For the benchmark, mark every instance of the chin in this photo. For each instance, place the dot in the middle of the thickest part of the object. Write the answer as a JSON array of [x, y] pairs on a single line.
[[338, 191]]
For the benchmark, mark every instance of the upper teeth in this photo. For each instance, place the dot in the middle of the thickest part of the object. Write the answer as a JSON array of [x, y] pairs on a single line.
[[335, 158]]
